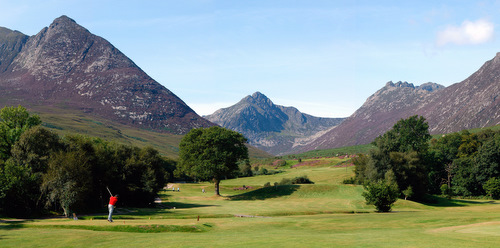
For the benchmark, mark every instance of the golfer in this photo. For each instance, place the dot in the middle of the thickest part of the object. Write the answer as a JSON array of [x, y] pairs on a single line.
[[111, 206]]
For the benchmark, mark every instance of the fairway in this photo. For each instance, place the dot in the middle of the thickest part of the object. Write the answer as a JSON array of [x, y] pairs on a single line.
[[324, 214]]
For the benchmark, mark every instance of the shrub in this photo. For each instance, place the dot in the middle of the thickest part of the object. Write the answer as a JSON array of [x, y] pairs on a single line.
[[268, 184], [302, 180], [296, 180], [285, 181], [381, 194], [279, 163], [349, 181]]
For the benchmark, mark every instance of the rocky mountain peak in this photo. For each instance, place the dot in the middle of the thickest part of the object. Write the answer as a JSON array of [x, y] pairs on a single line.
[[258, 98], [399, 84], [272, 128], [66, 63]]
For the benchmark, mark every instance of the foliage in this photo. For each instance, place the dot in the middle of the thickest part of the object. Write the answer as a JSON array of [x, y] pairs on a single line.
[[302, 180], [246, 169], [296, 180], [408, 192], [474, 168], [381, 194], [492, 187], [68, 180], [400, 157], [350, 180], [211, 154], [19, 190], [446, 191], [38, 167], [13, 122], [21, 177]]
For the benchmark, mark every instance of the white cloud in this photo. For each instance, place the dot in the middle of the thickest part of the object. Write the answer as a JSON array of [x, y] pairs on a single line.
[[469, 32]]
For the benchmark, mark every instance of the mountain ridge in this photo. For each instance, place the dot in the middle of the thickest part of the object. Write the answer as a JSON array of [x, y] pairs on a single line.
[[472, 103], [66, 64], [272, 128]]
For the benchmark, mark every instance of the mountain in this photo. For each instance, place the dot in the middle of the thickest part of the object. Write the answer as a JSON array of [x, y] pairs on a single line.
[[66, 65], [472, 103], [272, 128]]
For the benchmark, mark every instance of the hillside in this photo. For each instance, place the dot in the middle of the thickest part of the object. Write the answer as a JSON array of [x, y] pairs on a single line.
[[472, 103], [272, 128], [66, 65]]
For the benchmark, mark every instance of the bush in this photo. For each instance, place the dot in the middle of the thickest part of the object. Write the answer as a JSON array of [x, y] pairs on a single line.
[[268, 184], [302, 180], [349, 181], [296, 180], [279, 163], [382, 195], [285, 181]]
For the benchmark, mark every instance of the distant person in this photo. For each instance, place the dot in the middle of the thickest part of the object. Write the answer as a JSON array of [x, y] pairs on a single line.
[[203, 190], [111, 206]]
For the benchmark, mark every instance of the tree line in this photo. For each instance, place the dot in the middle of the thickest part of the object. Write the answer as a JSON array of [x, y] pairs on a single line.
[[40, 171], [412, 164]]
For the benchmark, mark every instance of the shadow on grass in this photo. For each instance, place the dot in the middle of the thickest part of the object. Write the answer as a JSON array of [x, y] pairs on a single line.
[[12, 225], [266, 193], [436, 201], [126, 213]]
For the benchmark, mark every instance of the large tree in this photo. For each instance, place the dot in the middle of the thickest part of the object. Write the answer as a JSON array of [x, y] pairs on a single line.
[[211, 154], [400, 156]]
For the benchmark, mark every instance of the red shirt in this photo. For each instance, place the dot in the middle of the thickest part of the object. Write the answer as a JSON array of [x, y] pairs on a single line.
[[112, 200]]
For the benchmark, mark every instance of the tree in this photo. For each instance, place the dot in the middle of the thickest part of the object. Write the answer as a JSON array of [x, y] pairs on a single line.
[[144, 176], [22, 176], [408, 192], [492, 188], [68, 180], [14, 121], [400, 156], [411, 134], [381, 194], [476, 167], [211, 154], [34, 148], [444, 151]]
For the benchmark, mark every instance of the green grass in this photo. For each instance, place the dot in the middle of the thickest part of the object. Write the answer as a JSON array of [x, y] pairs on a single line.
[[332, 152], [326, 213]]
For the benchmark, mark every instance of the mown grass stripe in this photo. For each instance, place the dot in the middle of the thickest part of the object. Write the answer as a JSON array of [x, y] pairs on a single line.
[[126, 228]]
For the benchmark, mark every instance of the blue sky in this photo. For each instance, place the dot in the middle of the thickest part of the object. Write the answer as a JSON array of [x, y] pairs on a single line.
[[322, 57]]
